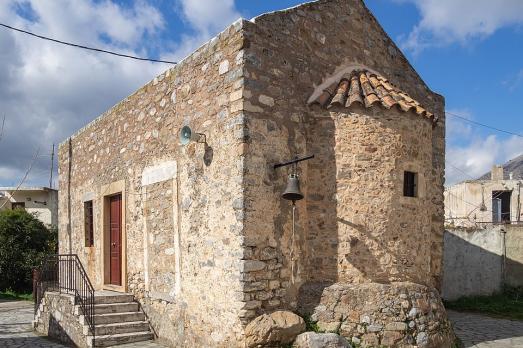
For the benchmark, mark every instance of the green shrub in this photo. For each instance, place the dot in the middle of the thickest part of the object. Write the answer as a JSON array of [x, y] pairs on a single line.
[[24, 242]]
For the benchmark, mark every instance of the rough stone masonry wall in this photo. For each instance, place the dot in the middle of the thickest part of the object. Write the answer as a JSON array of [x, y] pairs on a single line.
[[398, 314], [287, 54], [201, 203], [365, 230], [57, 320]]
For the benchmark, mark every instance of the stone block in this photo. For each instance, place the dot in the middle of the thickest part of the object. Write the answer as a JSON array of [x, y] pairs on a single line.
[[252, 304], [224, 67], [396, 326], [280, 327], [266, 100], [268, 253], [390, 338], [370, 339], [252, 265], [320, 340]]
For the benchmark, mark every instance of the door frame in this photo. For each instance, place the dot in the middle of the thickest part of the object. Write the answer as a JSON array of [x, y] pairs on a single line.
[[107, 191]]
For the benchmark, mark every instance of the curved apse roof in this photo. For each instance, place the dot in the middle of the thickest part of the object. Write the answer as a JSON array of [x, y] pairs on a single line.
[[368, 89]]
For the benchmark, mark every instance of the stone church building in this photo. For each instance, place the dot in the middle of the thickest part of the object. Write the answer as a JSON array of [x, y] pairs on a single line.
[[199, 233]]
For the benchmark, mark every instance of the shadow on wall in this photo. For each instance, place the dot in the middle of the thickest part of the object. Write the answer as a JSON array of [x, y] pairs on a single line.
[[365, 259], [322, 241], [473, 264], [359, 229], [514, 272], [57, 332], [347, 239]]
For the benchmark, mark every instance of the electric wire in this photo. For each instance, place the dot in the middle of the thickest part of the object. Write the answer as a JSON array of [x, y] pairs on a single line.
[[483, 125], [476, 206], [459, 170], [86, 47]]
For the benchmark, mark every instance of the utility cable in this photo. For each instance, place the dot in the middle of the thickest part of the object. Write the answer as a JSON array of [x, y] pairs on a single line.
[[460, 170], [86, 47], [483, 125]]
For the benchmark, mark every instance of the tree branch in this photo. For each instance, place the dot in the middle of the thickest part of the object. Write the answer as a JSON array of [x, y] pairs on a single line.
[[24, 178]]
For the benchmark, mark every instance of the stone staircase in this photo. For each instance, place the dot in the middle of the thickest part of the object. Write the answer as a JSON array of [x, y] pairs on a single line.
[[118, 320]]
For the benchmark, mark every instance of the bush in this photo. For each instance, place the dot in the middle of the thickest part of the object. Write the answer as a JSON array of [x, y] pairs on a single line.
[[24, 242]]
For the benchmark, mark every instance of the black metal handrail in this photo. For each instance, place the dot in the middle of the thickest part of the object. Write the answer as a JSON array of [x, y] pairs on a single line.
[[65, 273]]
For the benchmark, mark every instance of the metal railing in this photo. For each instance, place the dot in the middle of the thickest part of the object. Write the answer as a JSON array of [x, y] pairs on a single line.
[[65, 273]]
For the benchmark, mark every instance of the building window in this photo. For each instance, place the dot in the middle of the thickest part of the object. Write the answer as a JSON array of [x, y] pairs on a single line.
[[501, 206], [410, 184], [18, 205], [89, 226]]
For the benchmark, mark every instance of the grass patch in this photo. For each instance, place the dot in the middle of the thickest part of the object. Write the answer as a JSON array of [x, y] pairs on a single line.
[[458, 344], [12, 295], [508, 304], [311, 325]]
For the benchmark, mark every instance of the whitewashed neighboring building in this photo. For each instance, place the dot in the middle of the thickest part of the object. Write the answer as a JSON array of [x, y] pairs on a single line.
[[476, 202], [42, 201]]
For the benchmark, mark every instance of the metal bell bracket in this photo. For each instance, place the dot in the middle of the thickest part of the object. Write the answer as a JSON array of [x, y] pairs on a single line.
[[294, 161], [292, 191]]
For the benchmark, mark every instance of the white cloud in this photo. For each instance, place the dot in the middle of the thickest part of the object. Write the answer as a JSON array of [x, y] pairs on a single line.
[[514, 81], [48, 91], [209, 16], [456, 128], [447, 21], [470, 155]]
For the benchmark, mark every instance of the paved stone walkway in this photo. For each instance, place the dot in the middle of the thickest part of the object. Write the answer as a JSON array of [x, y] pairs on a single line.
[[475, 330], [480, 331], [16, 330]]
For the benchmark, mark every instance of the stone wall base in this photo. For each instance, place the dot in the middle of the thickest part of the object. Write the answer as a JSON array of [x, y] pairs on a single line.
[[56, 319], [399, 314]]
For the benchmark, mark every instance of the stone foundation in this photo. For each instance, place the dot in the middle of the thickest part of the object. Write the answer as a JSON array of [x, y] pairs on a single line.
[[401, 314], [56, 319]]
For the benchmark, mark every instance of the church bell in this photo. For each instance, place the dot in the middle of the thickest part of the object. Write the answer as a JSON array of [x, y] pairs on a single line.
[[292, 191]]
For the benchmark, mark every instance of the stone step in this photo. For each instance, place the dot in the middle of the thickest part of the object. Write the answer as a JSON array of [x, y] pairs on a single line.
[[116, 308], [111, 318], [118, 328], [113, 298], [110, 340]]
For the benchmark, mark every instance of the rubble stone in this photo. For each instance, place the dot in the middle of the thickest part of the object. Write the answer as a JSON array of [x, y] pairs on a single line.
[[320, 340], [279, 327]]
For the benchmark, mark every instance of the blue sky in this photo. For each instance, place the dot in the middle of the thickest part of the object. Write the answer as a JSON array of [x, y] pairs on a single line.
[[470, 51]]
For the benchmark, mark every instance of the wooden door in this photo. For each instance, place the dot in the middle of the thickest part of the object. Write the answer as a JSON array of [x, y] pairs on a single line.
[[115, 237]]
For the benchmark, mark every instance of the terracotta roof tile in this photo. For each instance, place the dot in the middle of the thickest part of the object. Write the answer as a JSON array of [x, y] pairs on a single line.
[[367, 88]]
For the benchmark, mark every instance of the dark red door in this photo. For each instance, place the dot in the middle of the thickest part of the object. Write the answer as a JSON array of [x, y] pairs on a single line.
[[115, 227]]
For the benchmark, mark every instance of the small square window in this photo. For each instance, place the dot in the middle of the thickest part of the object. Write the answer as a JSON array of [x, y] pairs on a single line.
[[410, 184], [89, 226]]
